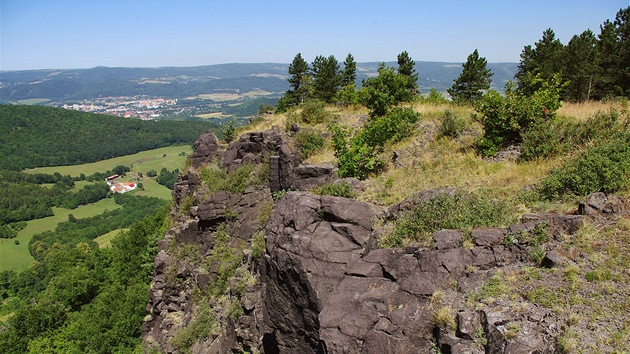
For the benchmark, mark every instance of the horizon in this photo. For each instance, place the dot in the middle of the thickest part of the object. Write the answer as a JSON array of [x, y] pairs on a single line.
[[42, 35]]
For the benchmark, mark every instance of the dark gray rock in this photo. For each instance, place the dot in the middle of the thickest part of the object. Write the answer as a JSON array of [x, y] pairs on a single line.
[[488, 237], [206, 148], [445, 239]]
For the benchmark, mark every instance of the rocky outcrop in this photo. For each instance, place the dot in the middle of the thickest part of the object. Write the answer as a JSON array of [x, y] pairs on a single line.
[[320, 284]]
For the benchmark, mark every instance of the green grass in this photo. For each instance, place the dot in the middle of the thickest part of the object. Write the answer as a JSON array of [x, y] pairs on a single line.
[[17, 258], [105, 241], [141, 162]]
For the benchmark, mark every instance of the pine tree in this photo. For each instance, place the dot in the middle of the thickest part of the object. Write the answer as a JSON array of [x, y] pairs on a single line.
[[299, 80], [543, 61], [326, 78], [613, 51], [474, 79], [580, 66], [406, 67], [349, 73]]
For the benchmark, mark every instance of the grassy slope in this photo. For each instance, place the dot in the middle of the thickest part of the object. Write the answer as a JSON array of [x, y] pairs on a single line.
[[142, 162], [16, 257]]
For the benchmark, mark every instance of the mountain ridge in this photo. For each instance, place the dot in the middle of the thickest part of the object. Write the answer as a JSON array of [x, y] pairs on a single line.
[[181, 82]]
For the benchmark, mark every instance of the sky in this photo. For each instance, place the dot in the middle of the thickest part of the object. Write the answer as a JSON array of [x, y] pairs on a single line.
[[65, 34]]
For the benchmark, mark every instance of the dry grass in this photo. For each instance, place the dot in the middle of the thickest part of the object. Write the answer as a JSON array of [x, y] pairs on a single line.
[[582, 111]]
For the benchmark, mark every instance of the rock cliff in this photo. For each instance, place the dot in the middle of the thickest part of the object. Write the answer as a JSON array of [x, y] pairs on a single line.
[[264, 270]]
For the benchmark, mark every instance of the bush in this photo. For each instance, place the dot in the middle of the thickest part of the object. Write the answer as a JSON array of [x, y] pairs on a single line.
[[451, 125], [229, 132], [314, 112], [358, 155], [462, 210], [604, 168], [336, 189], [435, 97], [505, 119], [310, 142]]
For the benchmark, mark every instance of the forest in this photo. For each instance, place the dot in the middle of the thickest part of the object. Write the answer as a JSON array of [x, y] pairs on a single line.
[[33, 136]]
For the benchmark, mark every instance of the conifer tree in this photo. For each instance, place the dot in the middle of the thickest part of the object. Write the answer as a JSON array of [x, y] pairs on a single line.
[[299, 80], [406, 67], [581, 66], [543, 61], [473, 81], [326, 78], [349, 73]]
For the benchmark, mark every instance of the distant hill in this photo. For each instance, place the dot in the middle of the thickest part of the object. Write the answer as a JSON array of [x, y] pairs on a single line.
[[33, 136], [181, 82]]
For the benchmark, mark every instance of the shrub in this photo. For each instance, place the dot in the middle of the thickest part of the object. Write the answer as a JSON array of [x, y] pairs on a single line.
[[547, 139], [435, 97], [505, 119], [604, 168], [310, 142], [314, 112], [229, 132], [451, 125], [201, 326], [462, 210], [336, 189], [358, 155]]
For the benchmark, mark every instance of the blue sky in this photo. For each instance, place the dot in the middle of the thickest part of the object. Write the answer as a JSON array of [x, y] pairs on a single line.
[[55, 34]]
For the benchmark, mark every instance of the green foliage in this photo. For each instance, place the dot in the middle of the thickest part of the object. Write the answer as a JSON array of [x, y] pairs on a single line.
[[300, 82], [451, 125], [473, 80], [84, 300], [233, 182], [505, 119], [348, 96], [167, 178], [462, 210], [435, 97], [406, 68], [199, 328], [540, 64], [603, 168], [228, 258], [314, 112], [349, 72], [258, 244], [229, 132], [336, 189], [386, 90], [326, 78], [35, 136], [358, 155], [310, 142]]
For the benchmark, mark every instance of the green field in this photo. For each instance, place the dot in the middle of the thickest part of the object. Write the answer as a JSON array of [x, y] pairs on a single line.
[[16, 257], [106, 240], [144, 161]]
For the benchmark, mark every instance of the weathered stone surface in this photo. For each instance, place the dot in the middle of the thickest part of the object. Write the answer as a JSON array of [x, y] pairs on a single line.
[[600, 204], [553, 259], [205, 149], [445, 239], [488, 236]]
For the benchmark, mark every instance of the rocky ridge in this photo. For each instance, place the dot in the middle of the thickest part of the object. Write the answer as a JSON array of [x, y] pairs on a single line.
[[271, 271]]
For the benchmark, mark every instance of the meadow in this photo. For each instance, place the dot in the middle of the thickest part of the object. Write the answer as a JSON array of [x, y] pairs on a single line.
[[16, 256], [171, 157]]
